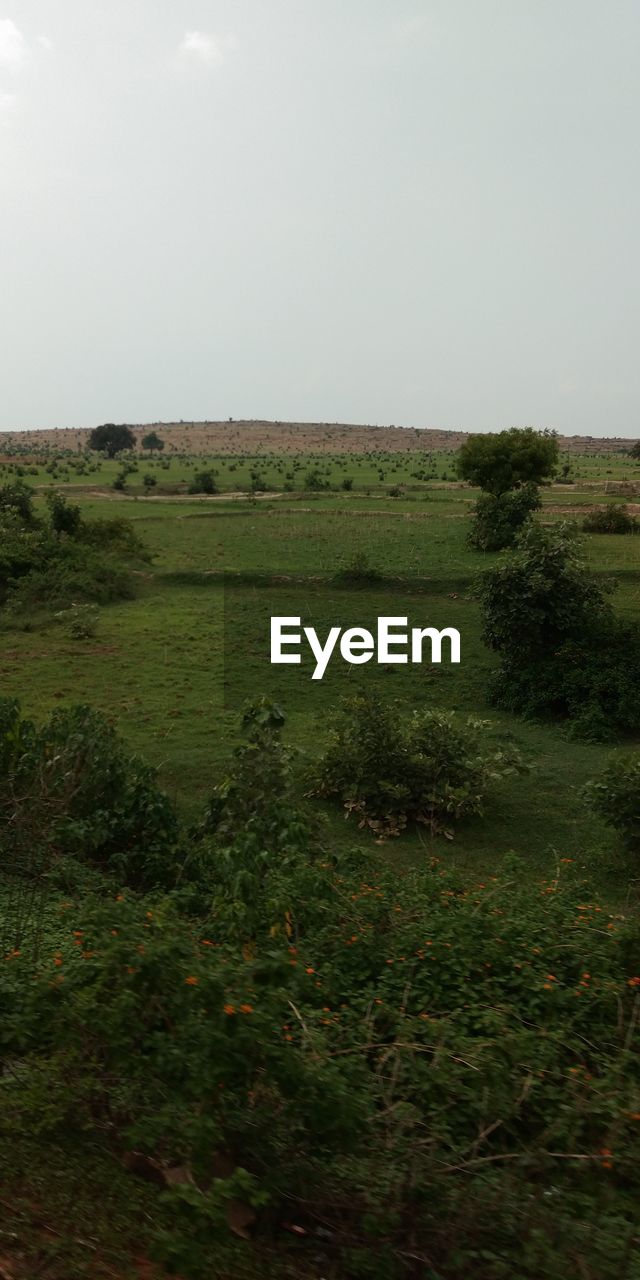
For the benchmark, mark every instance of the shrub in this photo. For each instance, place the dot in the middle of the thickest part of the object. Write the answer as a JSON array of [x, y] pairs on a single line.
[[389, 768], [616, 796], [611, 519], [17, 499], [314, 481], [254, 822], [64, 516], [499, 518], [563, 653], [203, 482], [71, 788], [79, 575], [359, 572], [436, 1067]]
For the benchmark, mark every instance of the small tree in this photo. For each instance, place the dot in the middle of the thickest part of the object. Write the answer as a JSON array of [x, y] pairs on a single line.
[[497, 463], [110, 439], [152, 442], [508, 467], [634, 452], [563, 652], [65, 516]]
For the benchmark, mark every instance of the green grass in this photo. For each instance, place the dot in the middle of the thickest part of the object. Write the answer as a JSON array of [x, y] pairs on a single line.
[[157, 662]]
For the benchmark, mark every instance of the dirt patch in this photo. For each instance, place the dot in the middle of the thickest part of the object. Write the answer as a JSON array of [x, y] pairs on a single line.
[[258, 436]]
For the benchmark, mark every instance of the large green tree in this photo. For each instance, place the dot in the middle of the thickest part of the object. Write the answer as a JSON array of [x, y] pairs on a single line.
[[111, 438], [508, 459]]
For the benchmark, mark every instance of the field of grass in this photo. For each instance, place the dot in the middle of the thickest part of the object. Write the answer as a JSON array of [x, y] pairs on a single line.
[[172, 667]]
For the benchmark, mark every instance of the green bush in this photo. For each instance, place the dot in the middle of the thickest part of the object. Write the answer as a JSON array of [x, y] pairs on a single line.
[[203, 482], [72, 788], [611, 519], [616, 796], [389, 768], [430, 1067], [563, 653], [497, 519]]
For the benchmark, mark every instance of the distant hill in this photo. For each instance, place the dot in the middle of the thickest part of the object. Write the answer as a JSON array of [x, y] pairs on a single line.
[[255, 437]]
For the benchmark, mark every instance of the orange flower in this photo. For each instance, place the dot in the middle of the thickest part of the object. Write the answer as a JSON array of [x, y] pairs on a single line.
[[633, 982], [57, 959], [191, 982], [229, 1009], [246, 1008], [309, 970]]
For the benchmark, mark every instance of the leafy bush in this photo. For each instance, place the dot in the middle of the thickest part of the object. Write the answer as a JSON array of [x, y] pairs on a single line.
[[390, 768], [434, 1068], [66, 561], [203, 482], [71, 788], [499, 518], [616, 796], [64, 516], [563, 653], [611, 519], [17, 499], [506, 460]]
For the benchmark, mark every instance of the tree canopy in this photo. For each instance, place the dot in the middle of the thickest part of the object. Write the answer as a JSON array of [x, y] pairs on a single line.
[[508, 459], [152, 441], [111, 438]]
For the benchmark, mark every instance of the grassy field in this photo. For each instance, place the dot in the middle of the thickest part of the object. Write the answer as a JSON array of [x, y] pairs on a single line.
[[173, 666]]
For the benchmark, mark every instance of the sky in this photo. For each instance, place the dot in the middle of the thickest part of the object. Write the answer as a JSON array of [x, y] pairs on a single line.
[[420, 212]]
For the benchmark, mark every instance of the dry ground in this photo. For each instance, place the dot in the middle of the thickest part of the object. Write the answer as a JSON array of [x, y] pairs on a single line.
[[261, 437]]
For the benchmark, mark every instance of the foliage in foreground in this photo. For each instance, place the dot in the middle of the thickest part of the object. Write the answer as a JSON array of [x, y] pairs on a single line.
[[563, 652], [616, 796], [70, 788], [389, 768], [419, 1071], [421, 1067]]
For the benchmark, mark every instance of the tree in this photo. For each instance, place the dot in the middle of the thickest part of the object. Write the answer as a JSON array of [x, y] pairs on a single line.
[[152, 441], [111, 438], [562, 650], [65, 516], [634, 451], [508, 459]]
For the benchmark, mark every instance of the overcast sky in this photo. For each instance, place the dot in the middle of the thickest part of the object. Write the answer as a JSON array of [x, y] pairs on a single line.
[[423, 212]]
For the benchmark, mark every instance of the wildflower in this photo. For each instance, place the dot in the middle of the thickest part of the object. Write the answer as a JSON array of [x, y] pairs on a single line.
[[246, 1008], [191, 982], [229, 1009], [633, 982], [309, 970], [57, 959]]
